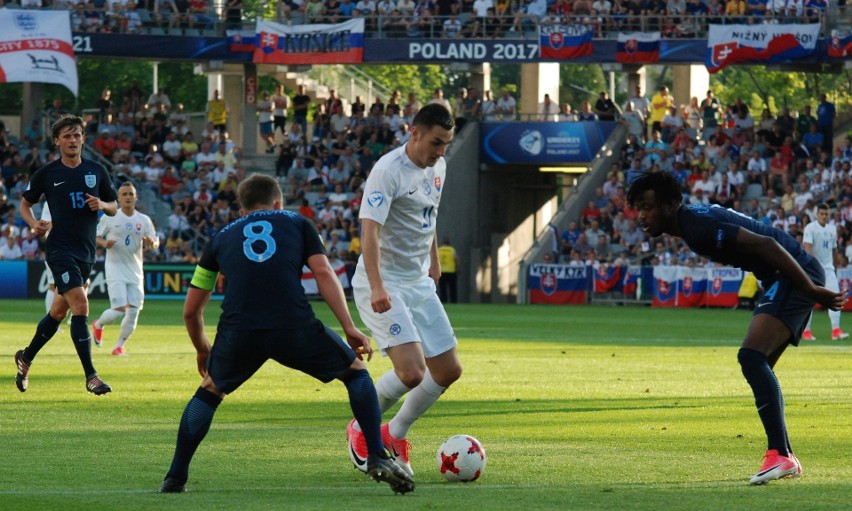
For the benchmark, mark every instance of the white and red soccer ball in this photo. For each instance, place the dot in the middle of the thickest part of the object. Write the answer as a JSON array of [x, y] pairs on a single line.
[[461, 458]]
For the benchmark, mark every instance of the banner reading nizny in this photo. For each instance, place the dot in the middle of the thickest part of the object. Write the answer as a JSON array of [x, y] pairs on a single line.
[[342, 43]]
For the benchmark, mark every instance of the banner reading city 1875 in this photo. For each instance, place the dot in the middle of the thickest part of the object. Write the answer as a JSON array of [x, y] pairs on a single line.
[[35, 46], [341, 43]]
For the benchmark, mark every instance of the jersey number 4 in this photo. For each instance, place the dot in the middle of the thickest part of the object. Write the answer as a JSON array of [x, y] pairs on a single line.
[[258, 236]]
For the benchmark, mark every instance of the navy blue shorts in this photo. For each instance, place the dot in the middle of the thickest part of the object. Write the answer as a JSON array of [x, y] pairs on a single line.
[[315, 350], [68, 273], [783, 300]]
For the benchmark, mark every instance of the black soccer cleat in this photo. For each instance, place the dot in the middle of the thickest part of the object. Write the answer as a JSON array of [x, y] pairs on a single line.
[[22, 377], [97, 386], [382, 468], [172, 485]]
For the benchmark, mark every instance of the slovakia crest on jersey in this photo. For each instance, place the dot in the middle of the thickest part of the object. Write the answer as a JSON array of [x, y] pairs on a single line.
[[717, 286], [376, 199], [548, 283], [438, 184], [91, 180]]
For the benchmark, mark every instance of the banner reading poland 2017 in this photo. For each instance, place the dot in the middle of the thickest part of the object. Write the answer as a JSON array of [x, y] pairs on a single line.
[[730, 44], [35, 46], [341, 43]]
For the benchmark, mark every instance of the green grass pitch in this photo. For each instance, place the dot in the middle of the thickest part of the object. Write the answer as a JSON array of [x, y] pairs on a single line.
[[580, 408]]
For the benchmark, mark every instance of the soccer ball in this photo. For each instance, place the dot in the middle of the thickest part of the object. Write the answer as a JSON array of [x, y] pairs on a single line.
[[461, 458]]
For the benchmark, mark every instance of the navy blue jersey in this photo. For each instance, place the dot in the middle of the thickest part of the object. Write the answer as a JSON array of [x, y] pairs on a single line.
[[75, 226], [261, 256], [711, 231]]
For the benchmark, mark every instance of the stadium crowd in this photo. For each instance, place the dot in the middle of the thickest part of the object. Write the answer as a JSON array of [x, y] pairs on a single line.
[[322, 166], [776, 169], [439, 18]]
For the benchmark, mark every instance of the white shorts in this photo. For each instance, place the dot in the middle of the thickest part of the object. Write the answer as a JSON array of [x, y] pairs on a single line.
[[123, 293], [416, 315]]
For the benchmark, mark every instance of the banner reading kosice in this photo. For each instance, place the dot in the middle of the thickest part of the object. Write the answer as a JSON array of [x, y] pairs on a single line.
[[35, 46]]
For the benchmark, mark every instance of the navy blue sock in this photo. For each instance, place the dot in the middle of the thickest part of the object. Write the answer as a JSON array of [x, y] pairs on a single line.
[[194, 425], [83, 343], [45, 331], [767, 398], [365, 407]]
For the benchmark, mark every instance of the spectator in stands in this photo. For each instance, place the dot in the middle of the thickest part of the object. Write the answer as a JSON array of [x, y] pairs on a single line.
[[605, 109], [826, 112], [585, 113], [56, 110], [506, 105], [813, 140], [217, 112], [10, 250], [660, 104], [34, 134]]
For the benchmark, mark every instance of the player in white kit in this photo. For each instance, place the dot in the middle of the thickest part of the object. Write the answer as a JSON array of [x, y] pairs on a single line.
[[820, 239], [124, 236], [395, 280]]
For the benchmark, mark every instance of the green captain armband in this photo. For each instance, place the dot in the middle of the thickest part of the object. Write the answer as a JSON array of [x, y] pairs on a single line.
[[204, 279]]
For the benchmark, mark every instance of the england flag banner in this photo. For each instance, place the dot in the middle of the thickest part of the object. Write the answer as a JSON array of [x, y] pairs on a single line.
[[35, 46], [731, 44], [341, 43], [309, 282]]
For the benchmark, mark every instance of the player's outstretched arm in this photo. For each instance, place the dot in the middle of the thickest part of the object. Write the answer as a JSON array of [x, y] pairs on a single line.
[[332, 292], [193, 318], [774, 254]]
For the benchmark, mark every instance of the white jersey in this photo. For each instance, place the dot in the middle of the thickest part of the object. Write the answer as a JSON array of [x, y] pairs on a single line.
[[823, 241], [124, 259], [404, 199]]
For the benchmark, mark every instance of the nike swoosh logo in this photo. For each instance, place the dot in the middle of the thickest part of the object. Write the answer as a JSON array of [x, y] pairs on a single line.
[[769, 469], [59, 183], [358, 460], [411, 192]]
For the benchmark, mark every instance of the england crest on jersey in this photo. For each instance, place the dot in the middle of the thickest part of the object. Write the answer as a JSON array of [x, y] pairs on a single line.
[[91, 180]]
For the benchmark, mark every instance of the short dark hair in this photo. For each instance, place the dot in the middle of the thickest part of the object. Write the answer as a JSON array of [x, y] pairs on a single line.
[[258, 190], [823, 205], [664, 184], [434, 114], [65, 121]]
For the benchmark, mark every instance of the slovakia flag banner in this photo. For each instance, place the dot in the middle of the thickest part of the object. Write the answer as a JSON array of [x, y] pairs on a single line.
[[844, 279], [341, 43], [691, 287], [840, 44], [723, 287], [630, 282], [565, 42], [731, 44], [241, 41], [558, 284], [35, 46], [638, 48], [665, 286], [608, 279]]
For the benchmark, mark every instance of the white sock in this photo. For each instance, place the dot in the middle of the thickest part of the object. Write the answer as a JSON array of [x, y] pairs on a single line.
[[390, 389], [48, 299], [421, 398], [128, 326], [108, 317]]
